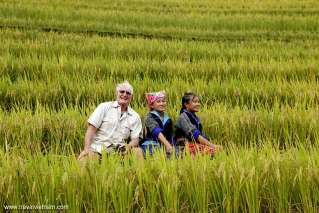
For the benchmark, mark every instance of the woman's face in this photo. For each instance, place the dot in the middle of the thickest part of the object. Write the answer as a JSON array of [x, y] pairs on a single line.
[[159, 105], [193, 105]]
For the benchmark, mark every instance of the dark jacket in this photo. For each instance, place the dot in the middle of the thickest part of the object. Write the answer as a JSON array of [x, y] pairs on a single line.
[[154, 126], [188, 128]]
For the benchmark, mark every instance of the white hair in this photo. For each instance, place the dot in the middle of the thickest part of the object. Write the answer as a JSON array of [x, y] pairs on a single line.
[[124, 86]]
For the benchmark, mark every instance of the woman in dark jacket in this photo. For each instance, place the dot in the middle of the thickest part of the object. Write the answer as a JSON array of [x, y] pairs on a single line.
[[158, 125], [189, 130]]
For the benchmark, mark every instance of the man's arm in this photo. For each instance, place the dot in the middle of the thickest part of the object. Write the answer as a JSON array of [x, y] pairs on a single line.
[[89, 135], [136, 131]]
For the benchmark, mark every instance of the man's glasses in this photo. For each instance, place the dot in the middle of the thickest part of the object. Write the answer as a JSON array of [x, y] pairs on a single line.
[[127, 92]]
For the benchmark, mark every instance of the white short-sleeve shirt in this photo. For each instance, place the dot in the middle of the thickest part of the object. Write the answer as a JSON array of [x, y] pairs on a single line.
[[112, 127]]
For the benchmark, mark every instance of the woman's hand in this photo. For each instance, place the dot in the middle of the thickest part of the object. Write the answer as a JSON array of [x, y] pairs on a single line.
[[217, 148], [169, 148]]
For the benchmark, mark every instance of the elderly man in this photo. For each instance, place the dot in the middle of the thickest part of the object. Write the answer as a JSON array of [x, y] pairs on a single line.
[[112, 124]]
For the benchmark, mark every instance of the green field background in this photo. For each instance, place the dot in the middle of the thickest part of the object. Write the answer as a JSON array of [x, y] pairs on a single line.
[[254, 65]]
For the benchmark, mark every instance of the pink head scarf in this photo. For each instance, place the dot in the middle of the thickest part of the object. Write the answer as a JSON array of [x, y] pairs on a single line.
[[153, 96]]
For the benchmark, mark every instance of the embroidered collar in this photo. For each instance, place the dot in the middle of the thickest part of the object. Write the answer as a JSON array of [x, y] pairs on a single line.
[[193, 115], [165, 118]]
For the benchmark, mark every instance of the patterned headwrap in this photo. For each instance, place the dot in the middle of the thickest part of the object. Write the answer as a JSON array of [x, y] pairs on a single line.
[[153, 96], [126, 86]]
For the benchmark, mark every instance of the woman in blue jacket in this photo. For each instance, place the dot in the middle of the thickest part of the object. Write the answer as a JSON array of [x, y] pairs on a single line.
[[158, 125], [189, 130]]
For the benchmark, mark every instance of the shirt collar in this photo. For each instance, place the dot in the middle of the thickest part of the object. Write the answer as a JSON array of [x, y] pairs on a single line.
[[129, 111]]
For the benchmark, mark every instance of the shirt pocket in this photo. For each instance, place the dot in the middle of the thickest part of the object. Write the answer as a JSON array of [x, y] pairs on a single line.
[[108, 125], [110, 120]]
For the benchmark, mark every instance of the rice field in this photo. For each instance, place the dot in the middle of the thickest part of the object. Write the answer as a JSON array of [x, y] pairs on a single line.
[[254, 64]]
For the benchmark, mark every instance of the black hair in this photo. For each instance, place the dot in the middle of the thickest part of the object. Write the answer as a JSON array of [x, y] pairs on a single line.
[[188, 97]]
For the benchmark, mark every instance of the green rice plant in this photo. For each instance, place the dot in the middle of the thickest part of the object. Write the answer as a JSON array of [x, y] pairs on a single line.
[[60, 132], [33, 43], [35, 69], [254, 65], [56, 94], [208, 20], [187, 25], [239, 180]]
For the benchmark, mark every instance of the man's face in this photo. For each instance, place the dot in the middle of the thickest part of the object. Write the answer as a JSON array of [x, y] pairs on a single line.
[[124, 96]]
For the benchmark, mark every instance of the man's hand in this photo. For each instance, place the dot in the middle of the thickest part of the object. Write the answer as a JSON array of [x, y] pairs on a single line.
[[128, 148], [84, 153]]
